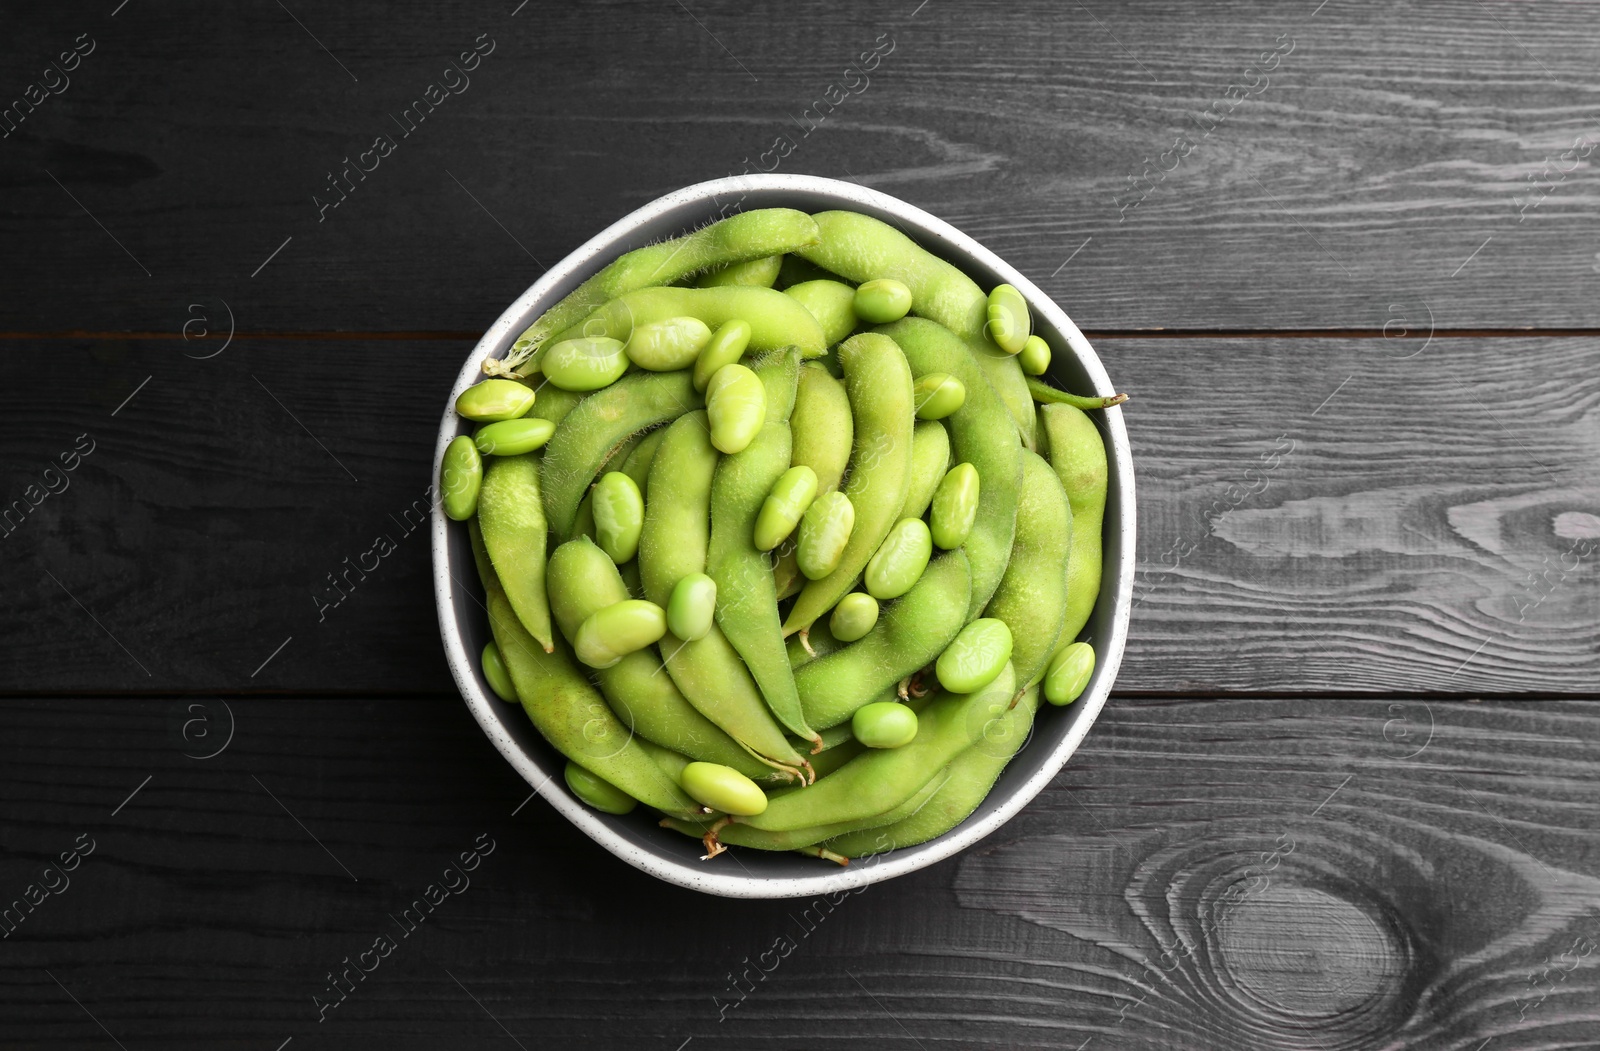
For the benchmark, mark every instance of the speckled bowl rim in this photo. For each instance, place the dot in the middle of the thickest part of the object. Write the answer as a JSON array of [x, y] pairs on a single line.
[[456, 588]]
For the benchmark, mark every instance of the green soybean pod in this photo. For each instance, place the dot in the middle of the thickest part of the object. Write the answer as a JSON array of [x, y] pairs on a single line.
[[736, 407], [513, 437], [611, 633], [900, 560], [597, 792], [791, 495], [1032, 597], [618, 515], [854, 616], [726, 346], [692, 606], [1079, 458], [911, 633], [882, 300], [491, 400], [776, 320], [1010, 324], [884, 724], [937, 395], [585, 438], [555, 403], [824, 533], [762, 271], [677, 515], [673, 343], [786, 575], [831, 303], [1004, 373], [878, 382], [511, 512], [975, 656], [1069, 673], [1035, 357], [495, 674], [460, 478], [822, 426], [585, 363], [640, 457], [796, 270], [955, 508], [930, 459]]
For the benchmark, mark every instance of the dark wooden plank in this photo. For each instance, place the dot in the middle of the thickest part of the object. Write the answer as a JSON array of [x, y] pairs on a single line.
[[1204, 874], [1380, 150]]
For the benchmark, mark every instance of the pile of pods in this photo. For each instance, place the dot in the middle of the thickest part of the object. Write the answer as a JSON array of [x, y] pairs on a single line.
[[781, 535]]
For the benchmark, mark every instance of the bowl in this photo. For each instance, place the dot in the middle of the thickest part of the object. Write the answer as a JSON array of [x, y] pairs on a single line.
[[635, 838]]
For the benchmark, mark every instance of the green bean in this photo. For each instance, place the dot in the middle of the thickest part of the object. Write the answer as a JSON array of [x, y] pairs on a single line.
[[824, 533], [1010, 324], [583, 580], [692, 606], [930, 459], [723, 788], [882, 300], [584, 439], [854, 616], [673, 343], [1079, 458], [637, 464], [1043, 392], [749, 235], [1069, 673], [618, 515], [831, 303], [900, 560], [495, 674], [597, 792], [492, 400], [512, 516], [727, 345], [861, 248], [967, 782], [937, 395], [976, 656], [822, 425], [513, 437], [884, 724], [878, 383], [910, 634], [460, 478], [791, 495], [775, 320], [763, 272], [979, 435], [1032, 597], [612, 632], [955, 508], [585, 363], [1035, 358], [736, 407]]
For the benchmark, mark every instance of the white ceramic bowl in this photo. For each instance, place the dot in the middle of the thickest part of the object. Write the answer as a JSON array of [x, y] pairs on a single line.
[[635, 838]]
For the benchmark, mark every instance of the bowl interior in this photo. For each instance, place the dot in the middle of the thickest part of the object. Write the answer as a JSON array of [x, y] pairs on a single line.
[[635, 837]]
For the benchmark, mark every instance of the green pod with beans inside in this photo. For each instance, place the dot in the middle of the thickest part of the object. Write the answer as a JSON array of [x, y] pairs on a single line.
[[831, 303], [511, 514], [822, 426], [1078, 457], [930, 459], [776, 320], [762, 271], [1032, 597]]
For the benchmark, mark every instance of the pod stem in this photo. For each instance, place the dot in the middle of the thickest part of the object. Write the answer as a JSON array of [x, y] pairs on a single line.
[[825, 854], [712, 844], [1042, 391], [805, 644]]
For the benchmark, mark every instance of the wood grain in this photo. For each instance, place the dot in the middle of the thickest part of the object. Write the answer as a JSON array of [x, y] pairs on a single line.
[[1379, 153], [1429, 857]]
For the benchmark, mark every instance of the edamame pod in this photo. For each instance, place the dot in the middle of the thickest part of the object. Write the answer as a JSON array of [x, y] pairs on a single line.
[[776, 320], [585, 438], [763, 272], [979, 435], [878, 383], [511, 513], [597, 792], [930, 459], [555, 403], [618, 515], [489, 401], [1004, 374], [831, 303], [584, 363], [495, 674], [909, 634], [1079, 458], [975, 656], [1069, 673], [460, 478], [1010, 324], [780, 513], [637, 465], [854, 616], [727, 345], [673, 343], [736, 407], [786, 575], [824, 534], [612, 632], [513, 437], [899, 561], [1032, 597], [692, 607], [955, 508], [822, 426]]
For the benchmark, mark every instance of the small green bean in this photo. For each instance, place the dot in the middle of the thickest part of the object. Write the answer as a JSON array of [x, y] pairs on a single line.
[[762, 271], [884, 724], [975, 657], [882, 300], [723, 788], [585, 363], [955, 506], [611, 633], [726, 346], [1009, 321], [937, 395], [822, 426], [854, 616], [513, 437], [1035, 357], [791, 496], [495, 674], [1069, 673], [597, 792], [736, 406], [492, 400], [831, 303], [930, 459], [692, 607], [662, 346], [618, 515], [776, 320], [900, 560], [824, 532], [460, 478]]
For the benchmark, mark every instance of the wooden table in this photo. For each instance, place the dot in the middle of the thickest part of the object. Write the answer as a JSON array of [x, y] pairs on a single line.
[[1343, 255]]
